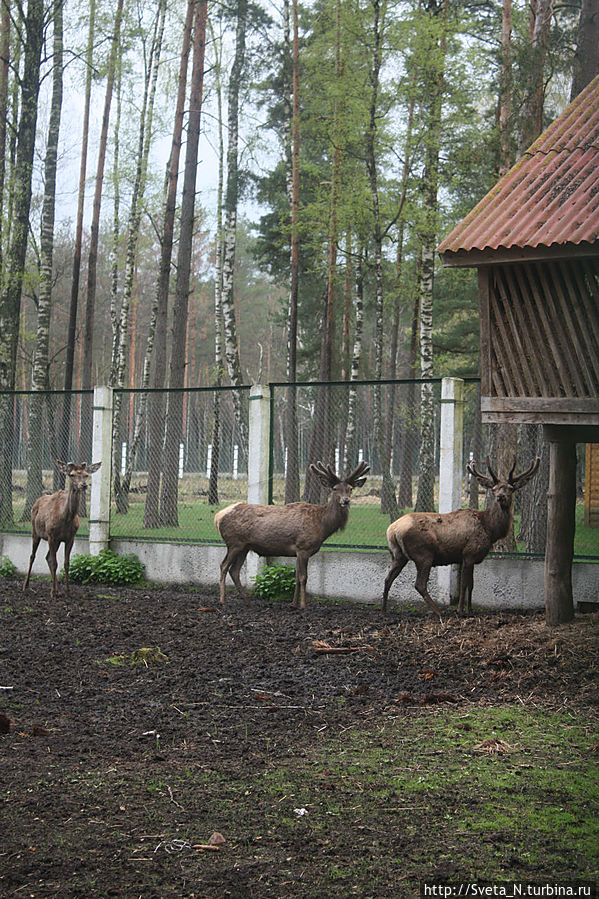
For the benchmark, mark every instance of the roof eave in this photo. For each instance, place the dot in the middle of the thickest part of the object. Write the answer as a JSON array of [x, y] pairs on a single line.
[[475, 257]]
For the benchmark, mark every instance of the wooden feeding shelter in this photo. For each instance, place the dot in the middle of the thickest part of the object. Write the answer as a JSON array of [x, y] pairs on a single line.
[[534, 239]]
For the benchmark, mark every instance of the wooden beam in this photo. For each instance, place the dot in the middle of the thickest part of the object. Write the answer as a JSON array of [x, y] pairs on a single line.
[[561, 505]]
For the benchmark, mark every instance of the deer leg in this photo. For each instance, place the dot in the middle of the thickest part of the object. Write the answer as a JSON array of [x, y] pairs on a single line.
[[234, 570], [301, 579], [34, 545], [53, 566], [67, 564], [229, 566], [422, 587], [397, 567], [467, 582]]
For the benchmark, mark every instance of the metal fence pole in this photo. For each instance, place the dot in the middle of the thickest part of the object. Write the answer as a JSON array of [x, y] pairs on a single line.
[[450, 469], [99, 504]]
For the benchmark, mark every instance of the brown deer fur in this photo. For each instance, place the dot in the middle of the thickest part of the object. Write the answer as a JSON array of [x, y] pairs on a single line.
[[54, 517], [297, 529], [463, 537]]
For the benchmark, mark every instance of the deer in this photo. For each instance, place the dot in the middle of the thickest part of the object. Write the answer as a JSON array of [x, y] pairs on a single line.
[[55, 518], [296, 529], [463, 537]]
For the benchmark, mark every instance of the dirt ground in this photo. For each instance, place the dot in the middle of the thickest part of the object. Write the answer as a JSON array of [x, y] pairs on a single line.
[[125, 713]]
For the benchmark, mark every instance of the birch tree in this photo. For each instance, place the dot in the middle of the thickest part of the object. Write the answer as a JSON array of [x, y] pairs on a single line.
[[40, 379], [12, 280], [230, 210], [433, 94]]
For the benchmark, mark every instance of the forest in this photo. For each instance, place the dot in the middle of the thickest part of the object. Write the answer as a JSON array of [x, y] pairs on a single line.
[[210, 194]]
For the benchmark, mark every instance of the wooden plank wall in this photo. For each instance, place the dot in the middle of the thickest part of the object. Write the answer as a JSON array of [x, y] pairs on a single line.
[[591, 486], [543, 329]]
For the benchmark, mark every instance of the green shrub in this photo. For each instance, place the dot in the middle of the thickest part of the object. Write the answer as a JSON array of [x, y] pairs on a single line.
[[7, 569], [275, 582], [106, 568]]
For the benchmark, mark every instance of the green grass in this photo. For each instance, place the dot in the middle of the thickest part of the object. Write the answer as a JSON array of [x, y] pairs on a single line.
[[384, 806], [366, 526]]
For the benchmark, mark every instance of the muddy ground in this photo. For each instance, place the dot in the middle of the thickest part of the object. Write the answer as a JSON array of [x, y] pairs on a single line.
[[116, 763]]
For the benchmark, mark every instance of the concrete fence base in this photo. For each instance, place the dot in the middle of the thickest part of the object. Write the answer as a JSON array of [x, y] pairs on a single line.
[[498, 583]]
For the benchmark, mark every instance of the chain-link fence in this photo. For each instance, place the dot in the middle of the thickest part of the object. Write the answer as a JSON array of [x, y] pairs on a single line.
[[36, 428], [177, 455], [180, 455]]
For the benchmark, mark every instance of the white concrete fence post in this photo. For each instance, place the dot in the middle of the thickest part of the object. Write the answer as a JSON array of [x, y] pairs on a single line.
[[450, 470], [99, 503], [258, 459]]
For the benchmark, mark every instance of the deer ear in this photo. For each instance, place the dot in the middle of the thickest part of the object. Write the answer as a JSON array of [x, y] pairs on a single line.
[[62, 466], [93, 467]]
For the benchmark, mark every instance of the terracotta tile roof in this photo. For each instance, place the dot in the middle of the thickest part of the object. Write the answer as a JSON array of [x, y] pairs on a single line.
[[551, 195]]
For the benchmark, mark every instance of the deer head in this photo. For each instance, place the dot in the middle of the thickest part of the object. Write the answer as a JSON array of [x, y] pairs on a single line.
[[77, 475], [341, 489], [503, 490]]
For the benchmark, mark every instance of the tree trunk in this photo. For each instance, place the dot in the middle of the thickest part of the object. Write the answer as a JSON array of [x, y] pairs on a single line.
[[561, 503], [10, 295], [156, 403], [39, 379], [292, 484], [531, 112], [230, 238], [218, 284], [88, 342], [122, 335], [169, 493], [434, 88], [4, 70], [350, 458], [388, 499], [74, 301], [586, 57], [505, 89]]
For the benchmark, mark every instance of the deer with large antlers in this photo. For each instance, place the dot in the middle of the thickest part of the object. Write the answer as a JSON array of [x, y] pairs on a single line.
[[297, 529], [55, 518], [463, 537]]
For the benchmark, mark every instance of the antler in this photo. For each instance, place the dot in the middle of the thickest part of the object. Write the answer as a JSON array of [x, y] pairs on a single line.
[[521, 479], [358, 475], [325, 473], [481, 478]]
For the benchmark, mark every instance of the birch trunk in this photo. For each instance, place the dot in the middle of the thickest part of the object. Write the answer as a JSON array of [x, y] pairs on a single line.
[[39, 378], [231, 199], [12, 282], [218, 283], [350, 460], [4, 70], [434, 87]]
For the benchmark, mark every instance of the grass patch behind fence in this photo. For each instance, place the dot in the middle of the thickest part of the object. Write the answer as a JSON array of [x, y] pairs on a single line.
[[366, 527]]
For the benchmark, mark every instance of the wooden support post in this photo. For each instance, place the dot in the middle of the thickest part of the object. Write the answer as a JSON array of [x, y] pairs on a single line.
[[561, 506]]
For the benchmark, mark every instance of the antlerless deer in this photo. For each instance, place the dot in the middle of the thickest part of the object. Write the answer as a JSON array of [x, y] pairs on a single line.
[[463, 537], [55, 518], [297, 529]]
